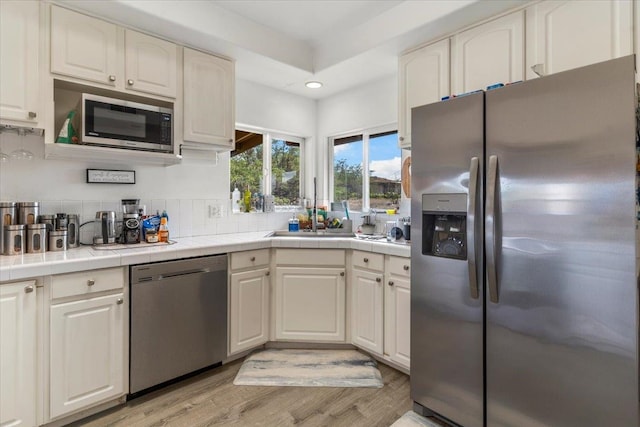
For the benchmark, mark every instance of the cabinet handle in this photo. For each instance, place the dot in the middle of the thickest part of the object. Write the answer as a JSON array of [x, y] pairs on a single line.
[[267, 273], [366, 260], [390, 282], [406, 267], [91, 282], [28, 289], [342, 273], [253, 258], [112, 78], [32, 114], [130, 82], [378, 279], [119, 301]]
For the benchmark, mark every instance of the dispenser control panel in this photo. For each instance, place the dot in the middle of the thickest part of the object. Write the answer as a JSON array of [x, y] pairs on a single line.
[[444, 225]]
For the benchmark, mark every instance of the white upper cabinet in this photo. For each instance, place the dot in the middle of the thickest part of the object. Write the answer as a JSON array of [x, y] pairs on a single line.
[[423, 78], [562, 35], [83, 47], [489, 53], [19, 39], [90, 49], [150, 64], [209, 94]]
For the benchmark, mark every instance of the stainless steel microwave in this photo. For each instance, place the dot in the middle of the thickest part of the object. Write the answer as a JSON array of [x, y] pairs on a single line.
[[111, 122]]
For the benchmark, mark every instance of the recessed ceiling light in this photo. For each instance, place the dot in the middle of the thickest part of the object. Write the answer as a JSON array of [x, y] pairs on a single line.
[[313, 84]]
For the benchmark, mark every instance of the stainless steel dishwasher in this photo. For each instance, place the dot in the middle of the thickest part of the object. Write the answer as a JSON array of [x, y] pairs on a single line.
[[178, 319]]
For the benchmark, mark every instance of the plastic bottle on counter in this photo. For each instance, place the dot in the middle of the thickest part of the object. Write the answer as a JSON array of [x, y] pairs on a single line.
[[294, 224], [163, 231], [235, 200]]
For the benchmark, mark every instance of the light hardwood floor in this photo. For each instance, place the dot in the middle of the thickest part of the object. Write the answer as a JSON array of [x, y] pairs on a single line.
[[211, 399]]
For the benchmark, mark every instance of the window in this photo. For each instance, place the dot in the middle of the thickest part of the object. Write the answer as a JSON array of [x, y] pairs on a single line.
[[366, 169], [268, 163]]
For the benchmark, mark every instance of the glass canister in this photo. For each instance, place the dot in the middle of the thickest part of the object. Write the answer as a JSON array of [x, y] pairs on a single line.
[[49, 220], [8, 217], [14, 239], [28, 212], [58, 241], [73, 230], [36, 238]]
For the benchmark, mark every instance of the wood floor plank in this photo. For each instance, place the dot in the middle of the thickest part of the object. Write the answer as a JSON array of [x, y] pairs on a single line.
[[211, 399]]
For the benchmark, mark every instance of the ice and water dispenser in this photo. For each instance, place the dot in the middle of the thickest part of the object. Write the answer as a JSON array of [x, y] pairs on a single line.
[[444, 225]]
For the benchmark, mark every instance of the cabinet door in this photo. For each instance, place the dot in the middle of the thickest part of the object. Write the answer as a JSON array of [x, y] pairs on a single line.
[[248, 310], [83, 47], [397, 340], [18, 356], [150, 64], [310, 303], [19, 38], [423, 78], [209, 109], [488, 54], [86, 353], [367, 310], [562, 35]]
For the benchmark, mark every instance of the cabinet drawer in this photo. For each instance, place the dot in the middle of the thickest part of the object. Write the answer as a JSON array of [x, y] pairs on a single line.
[[368, 260], [400, 266], [310, 257], [247, 259], [86, 282]]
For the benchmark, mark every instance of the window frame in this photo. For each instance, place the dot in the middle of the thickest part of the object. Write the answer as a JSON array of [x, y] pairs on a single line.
[[366, 133], [268, 136]]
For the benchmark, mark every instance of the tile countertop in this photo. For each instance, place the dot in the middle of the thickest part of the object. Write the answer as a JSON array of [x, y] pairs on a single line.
[[86, 258]]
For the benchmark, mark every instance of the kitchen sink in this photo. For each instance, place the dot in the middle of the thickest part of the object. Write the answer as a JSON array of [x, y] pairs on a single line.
[[319, 233]]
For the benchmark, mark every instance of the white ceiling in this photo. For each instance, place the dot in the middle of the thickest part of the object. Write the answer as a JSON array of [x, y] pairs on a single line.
[[284, 43]]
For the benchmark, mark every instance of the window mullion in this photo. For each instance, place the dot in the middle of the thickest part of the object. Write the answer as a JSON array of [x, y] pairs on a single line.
[[266, 163], [365, 172]]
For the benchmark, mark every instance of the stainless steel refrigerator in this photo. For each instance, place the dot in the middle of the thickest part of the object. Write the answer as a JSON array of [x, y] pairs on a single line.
[[524, 290]]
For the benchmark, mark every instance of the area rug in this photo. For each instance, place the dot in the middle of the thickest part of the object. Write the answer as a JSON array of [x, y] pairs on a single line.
[[309, 368], [411, 419]]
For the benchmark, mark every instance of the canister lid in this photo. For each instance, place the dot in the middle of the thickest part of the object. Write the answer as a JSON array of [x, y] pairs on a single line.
[[7, 204], [14, 227], [58, 233], [46, 217], [72, 216], [36, 226], [28, 204]]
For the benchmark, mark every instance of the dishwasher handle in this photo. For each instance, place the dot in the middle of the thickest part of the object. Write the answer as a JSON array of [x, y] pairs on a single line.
[[183, 273]]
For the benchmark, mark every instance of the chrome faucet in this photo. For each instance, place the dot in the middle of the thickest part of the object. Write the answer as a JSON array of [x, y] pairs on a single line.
[[314, 212]]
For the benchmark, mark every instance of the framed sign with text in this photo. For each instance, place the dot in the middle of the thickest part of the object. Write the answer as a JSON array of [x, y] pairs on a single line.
[[107, 176]]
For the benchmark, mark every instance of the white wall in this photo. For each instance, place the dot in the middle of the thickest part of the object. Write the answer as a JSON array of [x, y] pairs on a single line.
[[186, 190]]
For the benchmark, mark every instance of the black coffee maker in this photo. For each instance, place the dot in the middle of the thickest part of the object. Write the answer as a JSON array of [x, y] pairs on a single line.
[[131, 226]]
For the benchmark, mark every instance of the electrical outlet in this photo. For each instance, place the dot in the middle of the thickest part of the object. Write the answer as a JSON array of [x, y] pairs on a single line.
[[215, 211]]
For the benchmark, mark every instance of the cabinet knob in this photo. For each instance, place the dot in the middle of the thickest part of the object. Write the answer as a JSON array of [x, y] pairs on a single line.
[[91, 282], [253, 258], [120, 301], [112, 78], [401, 138], [267, 273], [390, 282], [366, 260], [406, 267], [378, 279], [130, 82], [342, 273], [28, 289], [32, 114], [230, 141]]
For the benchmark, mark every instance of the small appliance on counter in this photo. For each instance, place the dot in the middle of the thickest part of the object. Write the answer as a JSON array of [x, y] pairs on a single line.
[[131, 226], [104, 228]]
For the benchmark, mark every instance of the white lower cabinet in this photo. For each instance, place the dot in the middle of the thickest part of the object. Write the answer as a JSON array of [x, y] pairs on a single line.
[[249, 310], [381, 305], [397, 297], [310, 300], [86, 339], [86, 353], [18, 342]]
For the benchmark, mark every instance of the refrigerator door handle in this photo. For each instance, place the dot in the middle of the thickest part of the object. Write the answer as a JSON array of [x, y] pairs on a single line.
[[472, 205], [490, 228]]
